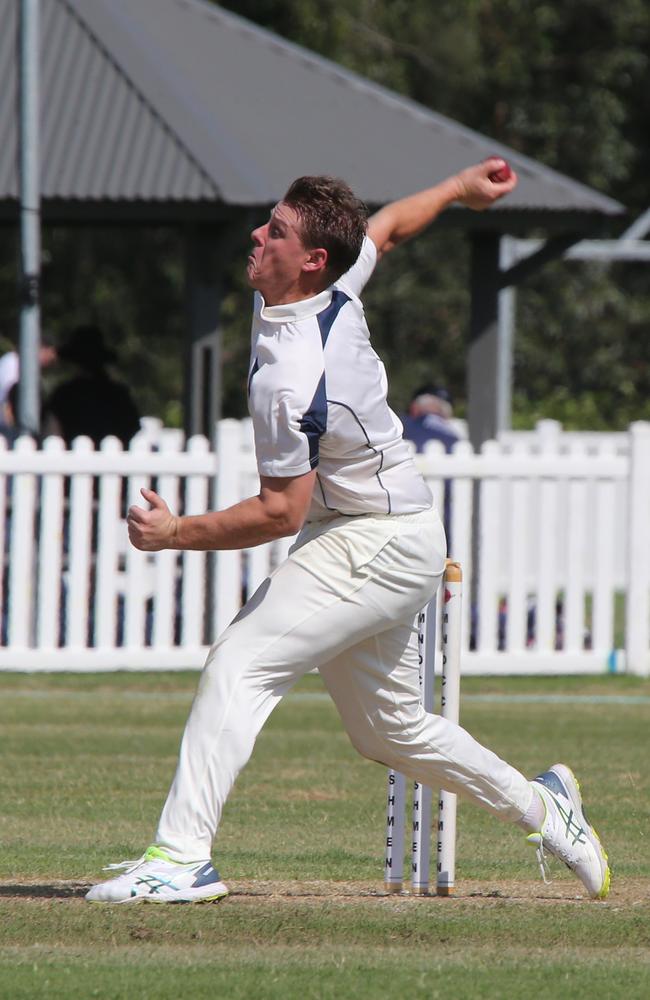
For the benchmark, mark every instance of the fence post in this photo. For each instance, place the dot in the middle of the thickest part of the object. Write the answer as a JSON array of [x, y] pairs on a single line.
[[195, 564], [227, 584], [111, 543], [22, 551], [50, 552], [549, 433], [637, 625]]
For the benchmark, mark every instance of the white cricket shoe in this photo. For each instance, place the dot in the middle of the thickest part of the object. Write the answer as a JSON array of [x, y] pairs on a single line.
[[155, 878], [566, 832]]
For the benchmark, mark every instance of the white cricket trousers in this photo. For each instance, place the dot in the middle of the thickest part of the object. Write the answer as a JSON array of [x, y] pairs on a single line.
[[345, 601]]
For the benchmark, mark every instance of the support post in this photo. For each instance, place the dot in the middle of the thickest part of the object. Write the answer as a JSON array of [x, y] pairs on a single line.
[[483, 368], [483, 355], [506, 305], [203, 346], [30, 222]]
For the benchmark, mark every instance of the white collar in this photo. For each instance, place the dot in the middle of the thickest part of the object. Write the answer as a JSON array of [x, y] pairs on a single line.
[[302, 309]]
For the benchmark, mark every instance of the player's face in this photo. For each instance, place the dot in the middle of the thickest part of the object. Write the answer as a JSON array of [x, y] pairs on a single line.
[[276, 262]]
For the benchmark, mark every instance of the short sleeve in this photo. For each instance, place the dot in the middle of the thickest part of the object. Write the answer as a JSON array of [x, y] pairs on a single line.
[[288, 426], [354, 280]]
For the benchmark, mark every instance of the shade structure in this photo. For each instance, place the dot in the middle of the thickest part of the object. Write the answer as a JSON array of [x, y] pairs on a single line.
[[180, 102]]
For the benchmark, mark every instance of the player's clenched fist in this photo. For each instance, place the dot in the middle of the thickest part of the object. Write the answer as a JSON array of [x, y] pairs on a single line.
[[155, 529], [486, 182]]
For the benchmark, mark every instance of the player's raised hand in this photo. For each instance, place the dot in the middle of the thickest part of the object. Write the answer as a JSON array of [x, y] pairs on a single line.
[[154, 529], [486, 182]]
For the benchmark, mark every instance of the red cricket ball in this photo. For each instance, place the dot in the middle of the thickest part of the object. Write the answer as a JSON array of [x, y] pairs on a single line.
[[503, 174]]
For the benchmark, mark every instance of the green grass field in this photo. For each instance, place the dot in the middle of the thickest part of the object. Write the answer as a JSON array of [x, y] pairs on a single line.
[[87, 760]]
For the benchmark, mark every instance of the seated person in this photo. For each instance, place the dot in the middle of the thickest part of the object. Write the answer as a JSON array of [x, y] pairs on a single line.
[[429, 418]]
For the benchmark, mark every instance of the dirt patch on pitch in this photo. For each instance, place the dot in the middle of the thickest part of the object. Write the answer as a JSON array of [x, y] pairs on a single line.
[[625, 892]]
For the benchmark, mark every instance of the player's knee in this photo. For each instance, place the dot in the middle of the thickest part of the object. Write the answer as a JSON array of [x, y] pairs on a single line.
[[399, 725], [401, 737], [366, 744]]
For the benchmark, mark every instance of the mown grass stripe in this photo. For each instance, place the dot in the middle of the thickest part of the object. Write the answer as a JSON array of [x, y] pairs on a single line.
[[524, 699], [321, 696]]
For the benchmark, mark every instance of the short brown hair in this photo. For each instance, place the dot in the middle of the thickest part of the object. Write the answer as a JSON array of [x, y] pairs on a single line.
[[332, 217]]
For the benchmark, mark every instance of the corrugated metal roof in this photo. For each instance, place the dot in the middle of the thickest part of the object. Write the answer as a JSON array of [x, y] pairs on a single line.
[[101, 138], [179, 99]]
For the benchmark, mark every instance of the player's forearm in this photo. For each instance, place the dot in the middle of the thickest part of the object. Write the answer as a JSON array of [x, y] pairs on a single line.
[[247, 523], [401, 220]]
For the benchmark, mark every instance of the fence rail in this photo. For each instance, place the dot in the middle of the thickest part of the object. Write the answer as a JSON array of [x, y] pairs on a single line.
[[552, 531]]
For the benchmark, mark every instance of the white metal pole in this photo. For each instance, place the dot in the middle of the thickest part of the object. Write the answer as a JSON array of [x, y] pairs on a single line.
[[506, 309], [449, 709], [30, 319]]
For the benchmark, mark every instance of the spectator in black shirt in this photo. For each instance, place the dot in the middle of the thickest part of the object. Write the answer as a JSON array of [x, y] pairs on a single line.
[[91, 402]]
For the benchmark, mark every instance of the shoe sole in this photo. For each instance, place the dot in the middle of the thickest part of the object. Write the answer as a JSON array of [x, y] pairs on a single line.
[[569, 780], [180, 902], [163, 899]]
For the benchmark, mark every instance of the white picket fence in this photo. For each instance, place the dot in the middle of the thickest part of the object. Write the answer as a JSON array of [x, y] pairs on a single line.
[[561, 539], [553, 535]]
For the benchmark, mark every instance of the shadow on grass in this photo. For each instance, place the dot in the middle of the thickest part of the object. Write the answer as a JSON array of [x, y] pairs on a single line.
[[45, 891], [316, 891]]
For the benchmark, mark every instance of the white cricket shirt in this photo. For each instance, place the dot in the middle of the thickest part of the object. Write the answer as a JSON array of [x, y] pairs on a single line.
[[317, 398]]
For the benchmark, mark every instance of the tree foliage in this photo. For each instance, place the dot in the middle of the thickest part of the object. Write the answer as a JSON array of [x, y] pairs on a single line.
[[566, 84]]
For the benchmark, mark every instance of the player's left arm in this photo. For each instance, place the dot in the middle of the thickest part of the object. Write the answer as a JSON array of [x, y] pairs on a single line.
[[278, 510], [401, 220]]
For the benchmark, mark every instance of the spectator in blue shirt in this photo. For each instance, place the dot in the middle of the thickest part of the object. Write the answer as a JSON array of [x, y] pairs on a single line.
[[428, 418]]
